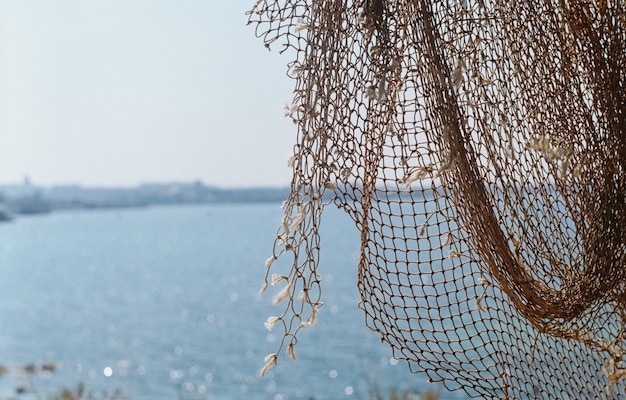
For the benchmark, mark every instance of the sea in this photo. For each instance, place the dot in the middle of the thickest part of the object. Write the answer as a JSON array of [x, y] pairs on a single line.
[[163, 302]]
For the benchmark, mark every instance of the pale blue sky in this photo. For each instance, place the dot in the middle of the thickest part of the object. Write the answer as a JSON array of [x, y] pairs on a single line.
[[118, 92]]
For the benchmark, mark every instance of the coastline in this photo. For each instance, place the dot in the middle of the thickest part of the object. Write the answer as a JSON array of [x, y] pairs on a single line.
[[30, 199]]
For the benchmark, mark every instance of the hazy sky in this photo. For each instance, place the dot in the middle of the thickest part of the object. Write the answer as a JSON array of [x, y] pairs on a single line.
[[117, 92]]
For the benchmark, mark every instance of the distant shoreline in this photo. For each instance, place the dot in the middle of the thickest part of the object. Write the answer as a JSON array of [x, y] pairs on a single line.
[[31, 199]]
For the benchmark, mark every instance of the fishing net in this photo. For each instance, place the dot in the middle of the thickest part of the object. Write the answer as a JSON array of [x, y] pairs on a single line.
[[480, 148]]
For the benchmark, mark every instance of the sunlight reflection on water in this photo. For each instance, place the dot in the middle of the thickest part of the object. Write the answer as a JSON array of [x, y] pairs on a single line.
[[164, 300]]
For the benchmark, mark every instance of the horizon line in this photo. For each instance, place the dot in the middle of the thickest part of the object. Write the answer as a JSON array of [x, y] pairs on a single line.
[[26, 182]]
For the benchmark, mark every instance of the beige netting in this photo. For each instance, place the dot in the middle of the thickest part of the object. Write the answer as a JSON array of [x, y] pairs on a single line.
[[480, 148]]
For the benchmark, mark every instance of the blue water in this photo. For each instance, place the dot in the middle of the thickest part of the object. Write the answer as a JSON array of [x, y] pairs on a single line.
[[162, 303]]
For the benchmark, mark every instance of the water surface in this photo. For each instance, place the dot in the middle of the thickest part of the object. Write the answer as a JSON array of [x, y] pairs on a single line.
[[162, 303]]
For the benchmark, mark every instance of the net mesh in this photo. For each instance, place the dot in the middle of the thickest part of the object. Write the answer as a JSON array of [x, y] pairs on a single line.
[[480, 148]]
